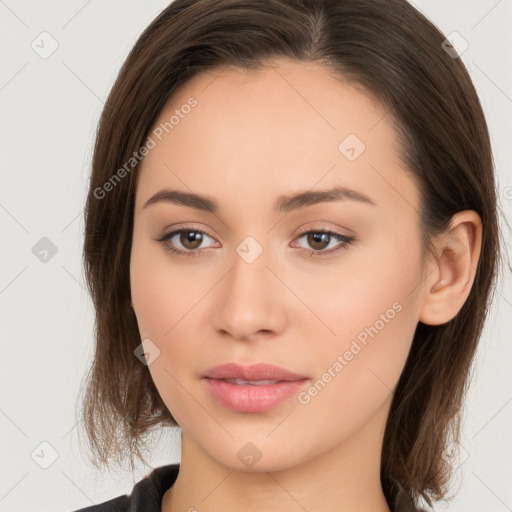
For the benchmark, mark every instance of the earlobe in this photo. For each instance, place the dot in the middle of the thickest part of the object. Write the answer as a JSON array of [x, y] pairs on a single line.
[[449, 283]]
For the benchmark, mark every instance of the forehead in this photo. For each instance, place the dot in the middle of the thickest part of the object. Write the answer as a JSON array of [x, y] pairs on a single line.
[[287, 126]]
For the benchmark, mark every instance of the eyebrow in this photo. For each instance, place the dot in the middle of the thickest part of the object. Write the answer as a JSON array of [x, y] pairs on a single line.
[[284, 203]]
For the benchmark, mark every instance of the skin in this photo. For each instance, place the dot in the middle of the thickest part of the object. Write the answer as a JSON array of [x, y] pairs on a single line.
[[253, 137]]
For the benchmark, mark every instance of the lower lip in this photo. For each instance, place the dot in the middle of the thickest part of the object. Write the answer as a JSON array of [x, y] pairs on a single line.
[[247, 398]]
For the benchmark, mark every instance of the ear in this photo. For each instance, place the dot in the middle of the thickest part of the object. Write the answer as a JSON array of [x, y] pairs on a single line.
[[451, 276]]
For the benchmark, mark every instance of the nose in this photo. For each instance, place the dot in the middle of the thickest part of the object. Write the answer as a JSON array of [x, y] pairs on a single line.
[[251, 300]]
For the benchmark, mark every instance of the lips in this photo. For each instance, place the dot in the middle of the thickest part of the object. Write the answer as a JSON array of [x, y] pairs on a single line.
[[243, 382], [254, 374], [255, 388]]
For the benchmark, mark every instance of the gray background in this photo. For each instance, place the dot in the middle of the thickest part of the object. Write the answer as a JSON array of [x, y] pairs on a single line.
[[49, 111]]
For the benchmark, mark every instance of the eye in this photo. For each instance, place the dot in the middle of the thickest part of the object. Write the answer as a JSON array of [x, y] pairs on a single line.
[[319, 239], [191, 240]]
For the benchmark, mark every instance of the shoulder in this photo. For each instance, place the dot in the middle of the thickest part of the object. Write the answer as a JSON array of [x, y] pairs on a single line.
[[145, 496]]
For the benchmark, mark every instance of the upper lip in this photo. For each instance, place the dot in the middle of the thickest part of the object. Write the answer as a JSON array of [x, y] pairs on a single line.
[[258, 371]]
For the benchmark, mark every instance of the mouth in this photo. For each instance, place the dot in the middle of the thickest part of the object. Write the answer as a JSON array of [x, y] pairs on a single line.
[[253, 373], [243, 382], [252, 389]]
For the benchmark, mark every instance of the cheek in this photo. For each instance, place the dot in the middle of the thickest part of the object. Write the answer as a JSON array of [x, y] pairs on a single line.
[[149, 296], [164, 296], [161, 291], [372, 315], [161, 300], [357, 370]]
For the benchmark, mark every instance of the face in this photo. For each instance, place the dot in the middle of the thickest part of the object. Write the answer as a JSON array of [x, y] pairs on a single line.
[[326, 289]]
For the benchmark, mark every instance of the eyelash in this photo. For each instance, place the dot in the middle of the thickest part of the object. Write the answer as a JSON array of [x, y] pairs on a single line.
[[346, 241]]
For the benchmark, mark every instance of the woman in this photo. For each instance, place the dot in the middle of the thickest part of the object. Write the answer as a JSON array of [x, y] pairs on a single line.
[[291, 243]]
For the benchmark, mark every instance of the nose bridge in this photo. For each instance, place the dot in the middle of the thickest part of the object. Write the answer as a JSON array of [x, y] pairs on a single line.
[[249, 302], [248, 282]]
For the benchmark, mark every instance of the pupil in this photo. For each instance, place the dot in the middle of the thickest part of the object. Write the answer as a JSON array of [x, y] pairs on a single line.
[[191, 237], [317, 238]]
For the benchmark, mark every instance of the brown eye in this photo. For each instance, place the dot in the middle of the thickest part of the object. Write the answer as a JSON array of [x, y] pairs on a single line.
[[191, 239], [318, 240]]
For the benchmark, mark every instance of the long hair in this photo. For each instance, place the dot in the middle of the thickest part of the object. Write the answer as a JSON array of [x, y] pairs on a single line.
[[395, 54]]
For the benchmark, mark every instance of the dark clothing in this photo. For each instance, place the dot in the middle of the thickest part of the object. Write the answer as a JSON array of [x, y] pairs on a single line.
[[147, 494]]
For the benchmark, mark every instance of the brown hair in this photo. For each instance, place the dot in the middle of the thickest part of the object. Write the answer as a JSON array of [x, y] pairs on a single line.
[[393, 53]]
